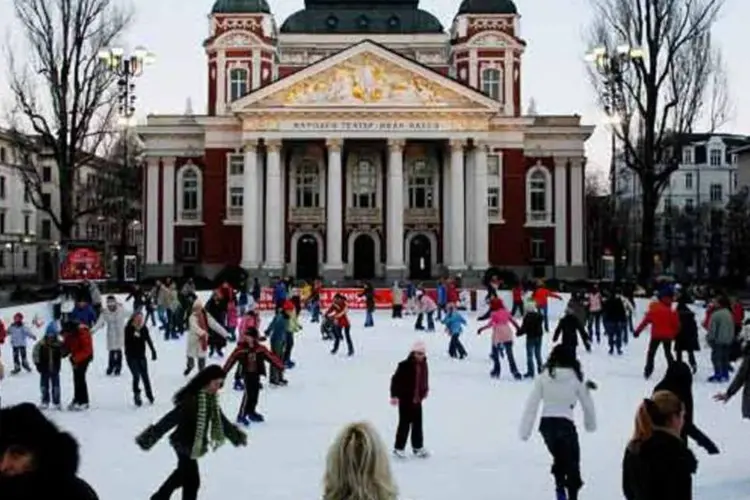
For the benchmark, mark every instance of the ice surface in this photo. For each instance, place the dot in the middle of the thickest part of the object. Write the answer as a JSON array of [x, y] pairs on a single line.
[[471, 422]]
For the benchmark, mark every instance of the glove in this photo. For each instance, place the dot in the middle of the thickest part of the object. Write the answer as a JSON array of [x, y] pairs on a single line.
[[242, 439], [591, 385], [712, 449], [153, 356], [144, 440], [394, 401], [588, 348]]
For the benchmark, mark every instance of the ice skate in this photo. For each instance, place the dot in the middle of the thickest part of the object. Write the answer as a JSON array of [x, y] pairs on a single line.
[[137, 400], [239, 385], [399, 454], [256, 417], [44, 406], [243, 420], [421, 453]]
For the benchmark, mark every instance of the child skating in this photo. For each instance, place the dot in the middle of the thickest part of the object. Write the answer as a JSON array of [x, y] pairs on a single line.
[[502, 338], [19, 335], [454, 323]]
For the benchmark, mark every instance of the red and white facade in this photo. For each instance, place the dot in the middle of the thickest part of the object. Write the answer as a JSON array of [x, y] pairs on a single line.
[[365, 156]]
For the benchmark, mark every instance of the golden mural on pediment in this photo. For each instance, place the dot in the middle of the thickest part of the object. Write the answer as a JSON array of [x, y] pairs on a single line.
[[366, 79]]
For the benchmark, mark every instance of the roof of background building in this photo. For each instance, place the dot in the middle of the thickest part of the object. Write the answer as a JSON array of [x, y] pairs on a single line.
[[240, 7], [487, 7]]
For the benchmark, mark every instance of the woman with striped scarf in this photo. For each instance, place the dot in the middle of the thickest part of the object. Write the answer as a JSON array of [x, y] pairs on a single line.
[[198, 424]]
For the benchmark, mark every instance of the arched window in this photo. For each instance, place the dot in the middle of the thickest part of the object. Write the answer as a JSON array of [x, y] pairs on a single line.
[[364, 184], [190, 201], [421, 185], [237, 83], [492, 83], [307, 183], [538, 196]]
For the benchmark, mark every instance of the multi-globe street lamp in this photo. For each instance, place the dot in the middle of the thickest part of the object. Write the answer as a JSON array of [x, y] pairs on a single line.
[[126, 68], [611, 66]]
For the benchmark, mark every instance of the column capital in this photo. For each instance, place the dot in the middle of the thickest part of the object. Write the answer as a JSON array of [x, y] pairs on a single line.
[[251, 146], [456, 144], [334, 144], [482, 145], [560, 160], [273, 145], [396, 145]]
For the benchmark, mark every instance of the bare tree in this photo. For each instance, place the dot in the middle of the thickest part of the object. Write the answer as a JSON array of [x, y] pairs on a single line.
[[63, 98], [675, 87]]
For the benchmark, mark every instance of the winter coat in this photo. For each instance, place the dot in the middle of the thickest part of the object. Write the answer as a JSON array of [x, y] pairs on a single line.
[[247, 322], [687, 338], [162, 297], [252, 359], [138, 298], [397, 296], [276, 331], [741, 380], [369, 294], [183, 418], [679, 381], [197, 339], [721, 328], [558, 393], [136, 340], [542, 295], [570, 328], [47, 355], [579, 310], [83, 314], [613, 310], [664, 322], [114, 322], [442, 294], [595, 302], [404, 383], [454, 322], [500, 321], [19, 334], [337, 312], [660, 468], [426, 304], [96, 295], [532, 326], [56, 475], [517, 294], [80, 345], [172, 299]]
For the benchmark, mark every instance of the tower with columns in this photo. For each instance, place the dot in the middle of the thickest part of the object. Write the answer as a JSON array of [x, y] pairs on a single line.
[[353, 142]]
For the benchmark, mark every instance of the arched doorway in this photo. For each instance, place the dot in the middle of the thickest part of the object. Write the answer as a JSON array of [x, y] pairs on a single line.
[[364, 257], [307, 257], [420, 257]]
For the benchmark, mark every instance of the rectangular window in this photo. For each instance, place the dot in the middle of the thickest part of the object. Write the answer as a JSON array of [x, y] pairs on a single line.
[[493, 165], [688, 180], [46, 200], [307, 185], [46, 229], [2, 222], [189, 248], [3, 156], [493, 202], [26, 195], [716, 192], [2, 187], [538, 250], [46, 174], [236, 197], [734, 180], [236, 164], [2, 258], [689, 204], [687, 156], [715, 158], [26, 224], [25, 259]]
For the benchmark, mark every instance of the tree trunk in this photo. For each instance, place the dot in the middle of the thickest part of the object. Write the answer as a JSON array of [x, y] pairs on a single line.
[[649, 200]]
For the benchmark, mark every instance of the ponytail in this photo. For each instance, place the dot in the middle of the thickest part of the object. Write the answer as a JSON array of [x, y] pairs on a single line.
[[653, 412]]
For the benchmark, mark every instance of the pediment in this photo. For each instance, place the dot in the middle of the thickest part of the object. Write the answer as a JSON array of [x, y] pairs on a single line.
[[366, 76]]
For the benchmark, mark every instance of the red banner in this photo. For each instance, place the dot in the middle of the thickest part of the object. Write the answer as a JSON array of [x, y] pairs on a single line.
[[354, 298], [81, 263]]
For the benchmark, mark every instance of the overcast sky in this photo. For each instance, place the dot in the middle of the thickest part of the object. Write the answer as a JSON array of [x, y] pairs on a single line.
[[553, 67]]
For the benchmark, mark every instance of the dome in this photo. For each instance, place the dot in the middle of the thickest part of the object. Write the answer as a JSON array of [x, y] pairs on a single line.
[[356, 19], [487, 7], [240, 7]]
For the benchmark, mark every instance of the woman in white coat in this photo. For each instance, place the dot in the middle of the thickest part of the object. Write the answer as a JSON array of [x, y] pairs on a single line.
[[197, 341], [113, 317], [560, 386]]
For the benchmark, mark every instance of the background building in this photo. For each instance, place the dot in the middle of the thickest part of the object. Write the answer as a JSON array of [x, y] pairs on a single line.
[[363, 140]]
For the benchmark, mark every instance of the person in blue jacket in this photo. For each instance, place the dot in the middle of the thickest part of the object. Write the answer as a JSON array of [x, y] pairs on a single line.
[[83, 313], [455, 323], [279, 294], [276, 333], [442, 298]]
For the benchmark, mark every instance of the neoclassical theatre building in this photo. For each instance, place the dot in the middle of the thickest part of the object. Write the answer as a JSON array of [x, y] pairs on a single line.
[[362, 139]]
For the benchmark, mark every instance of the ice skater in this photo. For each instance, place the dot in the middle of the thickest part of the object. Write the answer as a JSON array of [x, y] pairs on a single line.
[[339, 313], [47, 356], [113, 317], [533, 328], [665, 324], [409, 387], [19, 335], [426, 307], [570, 328], [502, 337], [454, 323], [137, 337]]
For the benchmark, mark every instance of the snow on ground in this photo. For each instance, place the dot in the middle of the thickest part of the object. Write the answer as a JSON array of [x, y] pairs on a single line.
[[471, 422]]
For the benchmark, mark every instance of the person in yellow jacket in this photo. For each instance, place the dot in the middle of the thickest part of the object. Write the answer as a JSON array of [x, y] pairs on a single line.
[[292, 326]]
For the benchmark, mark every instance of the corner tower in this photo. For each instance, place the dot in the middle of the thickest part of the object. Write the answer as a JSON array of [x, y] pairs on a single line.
[[486, 50], [240, 49]]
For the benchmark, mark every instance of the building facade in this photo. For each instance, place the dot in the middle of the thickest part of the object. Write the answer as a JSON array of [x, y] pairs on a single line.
[[363, 140]]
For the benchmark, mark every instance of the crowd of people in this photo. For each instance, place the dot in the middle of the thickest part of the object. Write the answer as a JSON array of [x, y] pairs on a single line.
[[34, 453]]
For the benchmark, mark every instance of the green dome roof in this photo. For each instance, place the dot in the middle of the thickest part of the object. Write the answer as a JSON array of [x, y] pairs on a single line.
[[487, 7], [361, 20], [240, 7]]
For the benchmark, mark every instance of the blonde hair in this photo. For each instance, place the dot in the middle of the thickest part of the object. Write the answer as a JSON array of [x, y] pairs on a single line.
[[654, 412], [357, 466]]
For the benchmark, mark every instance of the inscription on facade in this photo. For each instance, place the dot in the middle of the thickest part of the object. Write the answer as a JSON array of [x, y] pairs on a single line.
[[367, 126]]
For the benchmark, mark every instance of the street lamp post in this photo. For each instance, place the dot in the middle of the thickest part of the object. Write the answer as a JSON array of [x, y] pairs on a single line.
[[611, 67], [127, 68]]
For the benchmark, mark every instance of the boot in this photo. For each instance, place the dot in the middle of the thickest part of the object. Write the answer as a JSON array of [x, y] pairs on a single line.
[[137, 400], [26, 366], [560, 494], [256, 417]]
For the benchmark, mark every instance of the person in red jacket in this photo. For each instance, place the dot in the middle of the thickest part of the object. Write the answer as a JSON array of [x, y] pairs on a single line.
[[541, 297], [665, 325], [738, 313], [338, 313], [517, 300], [79, 345]]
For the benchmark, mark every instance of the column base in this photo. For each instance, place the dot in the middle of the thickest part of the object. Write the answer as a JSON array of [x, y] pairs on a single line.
[[395, 272], [334, 273], [272, 269]]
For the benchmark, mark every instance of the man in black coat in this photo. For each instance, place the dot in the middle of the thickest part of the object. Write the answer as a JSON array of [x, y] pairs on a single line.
[[137, 337], [409, 387], [37, 460], [570, 328]]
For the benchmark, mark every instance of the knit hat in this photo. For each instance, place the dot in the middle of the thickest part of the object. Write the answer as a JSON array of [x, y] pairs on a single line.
[[288, 305], [18, 318], [419, 347]]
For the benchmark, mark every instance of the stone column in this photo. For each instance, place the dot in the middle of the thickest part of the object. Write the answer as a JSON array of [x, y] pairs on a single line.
[[395, 228], [260, 180], [577, 234], [167, 230], [458, 261], [446, 202], [334, 207], [561, 205], [481, 217], [250, 222], [221, 81], [508, 82], [274, 227], [152, 211], [470, 226]]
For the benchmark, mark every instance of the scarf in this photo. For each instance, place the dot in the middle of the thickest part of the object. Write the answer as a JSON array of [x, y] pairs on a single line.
[[208, 426]]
